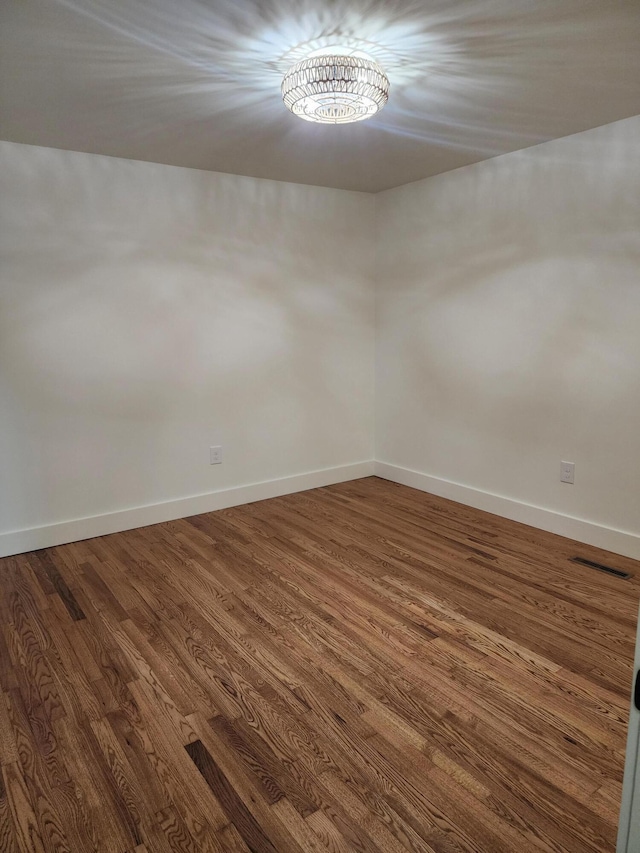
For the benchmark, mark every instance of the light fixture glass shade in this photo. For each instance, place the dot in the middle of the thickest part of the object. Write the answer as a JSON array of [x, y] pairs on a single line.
[[334, 89]]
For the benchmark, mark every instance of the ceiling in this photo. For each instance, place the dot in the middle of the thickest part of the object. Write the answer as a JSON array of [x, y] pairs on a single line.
[[197, 82]]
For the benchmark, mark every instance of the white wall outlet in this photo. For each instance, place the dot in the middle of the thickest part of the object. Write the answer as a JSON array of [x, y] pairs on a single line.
[[567, 472], [215, 455]]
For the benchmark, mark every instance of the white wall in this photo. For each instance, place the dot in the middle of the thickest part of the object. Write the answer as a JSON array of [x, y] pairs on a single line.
[[148, 312], [508, 330]]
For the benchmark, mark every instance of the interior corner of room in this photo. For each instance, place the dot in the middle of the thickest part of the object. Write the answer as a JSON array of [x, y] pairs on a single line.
[[320, 426], [151, 312]]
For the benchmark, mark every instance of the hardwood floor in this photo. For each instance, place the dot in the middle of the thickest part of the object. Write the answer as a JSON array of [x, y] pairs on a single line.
[[357, 668]]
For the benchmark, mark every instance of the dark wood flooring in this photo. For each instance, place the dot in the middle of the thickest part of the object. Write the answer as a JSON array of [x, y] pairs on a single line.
[[357, 668]]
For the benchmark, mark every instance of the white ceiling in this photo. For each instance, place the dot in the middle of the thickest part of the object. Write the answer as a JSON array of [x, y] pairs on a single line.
[[197, 82]]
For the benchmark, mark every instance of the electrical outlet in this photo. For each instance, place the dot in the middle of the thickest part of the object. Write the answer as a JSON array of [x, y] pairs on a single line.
[[215, 455], [567, 472]]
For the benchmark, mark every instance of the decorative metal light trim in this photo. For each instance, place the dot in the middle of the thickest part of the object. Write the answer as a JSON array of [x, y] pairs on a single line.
[[335, 89]]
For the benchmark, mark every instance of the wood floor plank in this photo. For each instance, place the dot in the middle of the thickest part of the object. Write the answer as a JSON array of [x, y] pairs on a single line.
[[8, 840], [361, 667], [231, 802], [24, 829], [43, 772], [52, 582]]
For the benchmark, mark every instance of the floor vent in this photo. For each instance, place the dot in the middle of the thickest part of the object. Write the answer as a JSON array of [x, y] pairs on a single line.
[[601, 568]]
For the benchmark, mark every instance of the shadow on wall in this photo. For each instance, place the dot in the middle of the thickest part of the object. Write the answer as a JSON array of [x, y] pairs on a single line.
[[509, 312], [150, 312]]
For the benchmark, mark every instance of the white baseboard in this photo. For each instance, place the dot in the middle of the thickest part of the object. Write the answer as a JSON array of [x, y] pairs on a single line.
[[19, 541], [608, 538]]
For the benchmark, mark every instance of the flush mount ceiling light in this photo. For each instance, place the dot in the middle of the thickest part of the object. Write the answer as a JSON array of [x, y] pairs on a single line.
[[332, 87]]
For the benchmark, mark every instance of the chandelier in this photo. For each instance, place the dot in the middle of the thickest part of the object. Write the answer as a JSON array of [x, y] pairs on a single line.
[[332, 88]]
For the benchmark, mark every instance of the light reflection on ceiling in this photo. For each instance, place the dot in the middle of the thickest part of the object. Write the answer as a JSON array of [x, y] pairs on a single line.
[[197, 82]]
